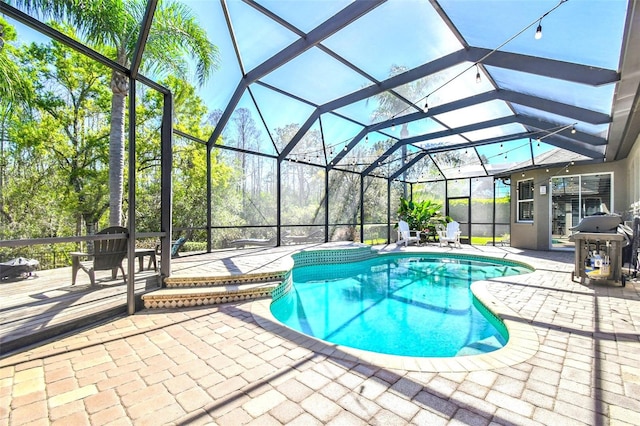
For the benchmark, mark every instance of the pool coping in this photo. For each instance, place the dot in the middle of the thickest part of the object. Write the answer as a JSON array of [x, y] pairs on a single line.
[[522, 344]]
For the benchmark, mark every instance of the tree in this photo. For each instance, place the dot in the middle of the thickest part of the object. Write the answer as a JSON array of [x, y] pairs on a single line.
[[112, 26], [302, 185], [16, 92], [190, 167], [14, 87], [248, 135], [66, 129]]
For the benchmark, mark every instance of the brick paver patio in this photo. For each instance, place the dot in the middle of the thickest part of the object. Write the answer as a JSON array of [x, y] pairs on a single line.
[[229, 365]]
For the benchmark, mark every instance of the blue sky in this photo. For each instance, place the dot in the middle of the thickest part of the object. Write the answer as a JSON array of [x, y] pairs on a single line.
[[408, 33]]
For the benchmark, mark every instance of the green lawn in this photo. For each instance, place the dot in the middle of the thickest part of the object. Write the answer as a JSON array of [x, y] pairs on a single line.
[[476, 241]]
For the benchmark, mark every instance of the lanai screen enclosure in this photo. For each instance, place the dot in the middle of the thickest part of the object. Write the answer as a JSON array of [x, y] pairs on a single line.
[[320, 115]]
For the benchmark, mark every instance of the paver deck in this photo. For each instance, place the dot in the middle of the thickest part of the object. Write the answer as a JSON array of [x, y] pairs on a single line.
[[231, 364]]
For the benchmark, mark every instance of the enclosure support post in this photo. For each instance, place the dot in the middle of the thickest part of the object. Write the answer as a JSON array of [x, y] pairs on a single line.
[[361, 208], [388, 211], [493, 222], [326, 204], [209, 212], [166, 202], [131, 258], [278, 203], [446, 197], [404, 172]]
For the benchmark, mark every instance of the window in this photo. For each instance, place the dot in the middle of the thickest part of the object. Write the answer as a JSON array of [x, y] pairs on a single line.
[[525, 200], [574, 197]]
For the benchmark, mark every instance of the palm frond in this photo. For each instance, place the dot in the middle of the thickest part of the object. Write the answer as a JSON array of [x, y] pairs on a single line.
[[95, 21], [15, 87], [176, 26], [175, 38]]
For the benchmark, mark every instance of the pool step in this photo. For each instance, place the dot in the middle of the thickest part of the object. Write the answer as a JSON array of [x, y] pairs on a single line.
[[481, 346], [200, 291], [213, 281]]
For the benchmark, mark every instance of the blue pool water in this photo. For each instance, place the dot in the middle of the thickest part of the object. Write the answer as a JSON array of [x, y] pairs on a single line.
[[401, 305]]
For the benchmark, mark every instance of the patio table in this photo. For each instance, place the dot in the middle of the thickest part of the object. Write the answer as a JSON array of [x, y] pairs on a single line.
[[141, 253]]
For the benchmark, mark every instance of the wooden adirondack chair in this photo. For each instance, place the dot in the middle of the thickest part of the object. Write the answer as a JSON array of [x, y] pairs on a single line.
[[107, 256]]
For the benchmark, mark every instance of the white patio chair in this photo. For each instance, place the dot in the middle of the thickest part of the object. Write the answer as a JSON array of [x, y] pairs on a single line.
[[450, 234], [406, 235]]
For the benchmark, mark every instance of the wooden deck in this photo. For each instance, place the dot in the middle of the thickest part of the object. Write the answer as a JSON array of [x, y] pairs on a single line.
[[46, 305]]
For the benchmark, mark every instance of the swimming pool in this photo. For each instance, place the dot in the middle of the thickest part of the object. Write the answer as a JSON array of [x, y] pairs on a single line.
[[411, 305]]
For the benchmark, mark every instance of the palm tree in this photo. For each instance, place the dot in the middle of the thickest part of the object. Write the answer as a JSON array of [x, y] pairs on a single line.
[[390, 106], [14, 86], [174, 39], [16, 92]]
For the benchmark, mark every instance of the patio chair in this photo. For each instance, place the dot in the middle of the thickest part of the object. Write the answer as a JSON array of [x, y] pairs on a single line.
[[450, 234], [175, 247], [314, 237], [107, 256], [406, 235], [243, 242]]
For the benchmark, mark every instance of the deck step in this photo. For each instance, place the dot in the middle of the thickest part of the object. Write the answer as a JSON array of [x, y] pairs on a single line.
[[253, 278], [200, 291]]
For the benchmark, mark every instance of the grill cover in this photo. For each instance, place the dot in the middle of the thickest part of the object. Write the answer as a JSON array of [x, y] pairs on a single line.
[[599, 223]]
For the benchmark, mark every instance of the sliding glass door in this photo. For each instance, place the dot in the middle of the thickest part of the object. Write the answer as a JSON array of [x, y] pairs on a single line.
[[575, 197]]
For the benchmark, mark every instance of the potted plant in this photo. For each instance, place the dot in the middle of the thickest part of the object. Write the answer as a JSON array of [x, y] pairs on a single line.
[[422, 215]]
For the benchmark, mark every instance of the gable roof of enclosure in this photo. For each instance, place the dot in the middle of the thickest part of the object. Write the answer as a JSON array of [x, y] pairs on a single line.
[[359, 74]]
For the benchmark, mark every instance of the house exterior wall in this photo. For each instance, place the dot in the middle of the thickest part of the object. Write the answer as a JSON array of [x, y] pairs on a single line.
[[633, 173], [535, 235]]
